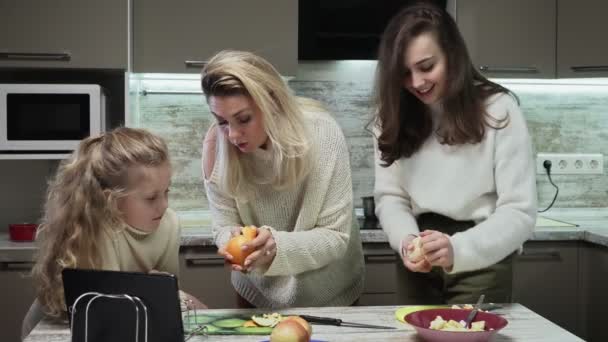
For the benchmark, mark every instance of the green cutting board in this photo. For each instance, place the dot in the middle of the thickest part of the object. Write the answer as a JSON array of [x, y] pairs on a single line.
[[219, 324]]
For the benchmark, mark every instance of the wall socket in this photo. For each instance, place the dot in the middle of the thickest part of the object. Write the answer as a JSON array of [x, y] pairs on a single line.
[[571, 163]]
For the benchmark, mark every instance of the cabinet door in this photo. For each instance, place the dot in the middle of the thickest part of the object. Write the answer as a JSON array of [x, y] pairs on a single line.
[[380, 275], [582, 47], [546, 280], [510, 38], [170, 37], [202, 273], [16, 296], [594, 266], [63, 34]]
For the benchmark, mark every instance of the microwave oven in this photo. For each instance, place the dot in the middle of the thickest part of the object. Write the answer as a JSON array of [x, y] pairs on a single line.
[[49, 117]]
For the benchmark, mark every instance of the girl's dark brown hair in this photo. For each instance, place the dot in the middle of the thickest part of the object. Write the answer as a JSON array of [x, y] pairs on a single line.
[[403, 122]]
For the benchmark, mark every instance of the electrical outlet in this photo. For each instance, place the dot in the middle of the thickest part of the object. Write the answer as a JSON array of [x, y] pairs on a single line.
[[571, 163]]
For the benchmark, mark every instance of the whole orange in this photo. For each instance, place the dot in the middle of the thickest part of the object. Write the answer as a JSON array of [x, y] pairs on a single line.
[[234, 248]]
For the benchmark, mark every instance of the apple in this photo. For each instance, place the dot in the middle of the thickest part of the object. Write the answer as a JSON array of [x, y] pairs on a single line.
[[289, 330], [302, 322]]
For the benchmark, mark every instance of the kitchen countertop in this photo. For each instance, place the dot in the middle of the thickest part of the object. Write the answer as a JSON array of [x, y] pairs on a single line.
[[524, 325], [592, 227]]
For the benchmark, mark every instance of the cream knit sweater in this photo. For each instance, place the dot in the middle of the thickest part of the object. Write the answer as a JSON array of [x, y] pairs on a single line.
[[319, 259], [130, 250], [492, 183]]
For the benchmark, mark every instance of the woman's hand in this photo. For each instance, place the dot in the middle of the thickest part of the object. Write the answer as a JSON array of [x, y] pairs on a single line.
[[264, 250], [416, 265], [438, 250]]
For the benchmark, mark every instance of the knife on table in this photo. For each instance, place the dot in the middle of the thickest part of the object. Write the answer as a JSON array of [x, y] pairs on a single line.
[[340, 323]]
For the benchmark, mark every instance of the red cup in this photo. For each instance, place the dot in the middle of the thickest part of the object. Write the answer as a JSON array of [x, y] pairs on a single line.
[[22, 231]]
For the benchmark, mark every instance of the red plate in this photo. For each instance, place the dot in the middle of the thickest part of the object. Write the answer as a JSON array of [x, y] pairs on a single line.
[[421, 320]]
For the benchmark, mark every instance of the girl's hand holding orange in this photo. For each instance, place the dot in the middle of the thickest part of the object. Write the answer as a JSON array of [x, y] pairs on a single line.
[[438, 250], [418, 264]]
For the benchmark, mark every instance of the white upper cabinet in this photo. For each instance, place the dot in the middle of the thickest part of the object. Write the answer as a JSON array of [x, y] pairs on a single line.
[[180, 36], [510, 38], [64, 34], [582, 45]]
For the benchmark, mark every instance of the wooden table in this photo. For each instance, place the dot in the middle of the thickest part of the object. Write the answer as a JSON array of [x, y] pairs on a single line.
[[524, 325]]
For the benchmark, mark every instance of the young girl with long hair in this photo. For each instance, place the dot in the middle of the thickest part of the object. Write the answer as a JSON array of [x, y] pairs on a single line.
[[106, 208]]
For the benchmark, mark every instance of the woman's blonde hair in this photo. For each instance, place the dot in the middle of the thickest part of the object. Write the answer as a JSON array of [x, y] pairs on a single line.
[[232, 73], [81, 203]]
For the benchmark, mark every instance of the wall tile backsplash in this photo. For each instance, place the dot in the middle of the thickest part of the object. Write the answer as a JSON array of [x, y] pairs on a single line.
[[563, 117]]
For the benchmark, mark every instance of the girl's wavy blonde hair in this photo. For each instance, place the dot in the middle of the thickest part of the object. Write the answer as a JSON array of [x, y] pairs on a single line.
[[232, 73], [81, 203]]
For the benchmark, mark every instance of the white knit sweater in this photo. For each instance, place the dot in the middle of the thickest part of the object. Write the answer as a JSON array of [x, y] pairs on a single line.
[[319, 259], [492, 183]]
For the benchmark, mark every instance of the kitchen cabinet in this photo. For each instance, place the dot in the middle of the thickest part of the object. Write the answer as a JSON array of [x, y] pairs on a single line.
[[594, 301], [179, 38], [64, 34], [510, 38], [380, 275], [203, 274], [16, 295], [582, 50], [546, 280], [535, 39]]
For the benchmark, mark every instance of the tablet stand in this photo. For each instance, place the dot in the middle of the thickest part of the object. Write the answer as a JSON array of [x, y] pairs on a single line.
[[93, 296]]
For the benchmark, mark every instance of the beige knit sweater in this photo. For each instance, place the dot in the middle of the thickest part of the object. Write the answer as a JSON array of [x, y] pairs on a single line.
[[319, 259], [130, 250]]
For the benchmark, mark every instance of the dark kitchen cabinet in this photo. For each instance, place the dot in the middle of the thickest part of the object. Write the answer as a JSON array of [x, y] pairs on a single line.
[[178, 38], [64, 34], [546, 280], [16, 295], [203, 274], [510, 38], [380, 275], [594, 296], [582, 49]]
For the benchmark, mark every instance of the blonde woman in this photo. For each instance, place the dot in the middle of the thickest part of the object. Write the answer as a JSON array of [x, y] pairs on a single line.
[[281, 163], [106, 208]]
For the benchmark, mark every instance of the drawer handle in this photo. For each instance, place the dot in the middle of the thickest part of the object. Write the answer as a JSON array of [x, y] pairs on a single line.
[[381, 258], [16, 266], [205, 260], [26, 56], [520, 70], [195, 64], [589, 68], [547, 254]]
